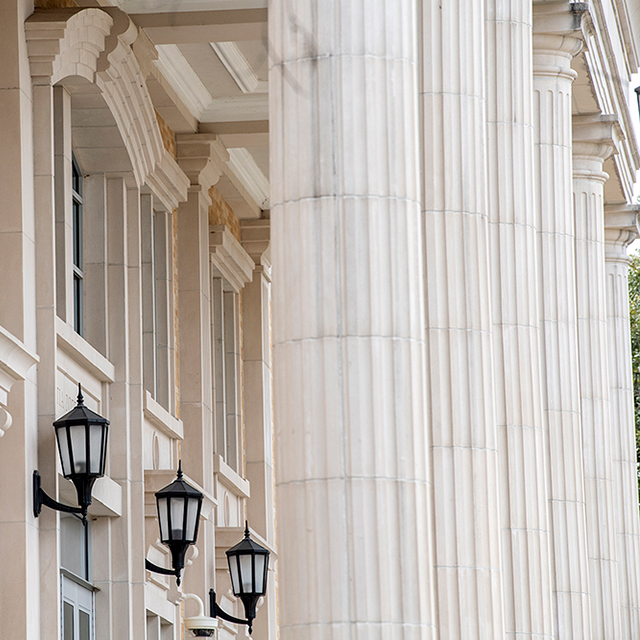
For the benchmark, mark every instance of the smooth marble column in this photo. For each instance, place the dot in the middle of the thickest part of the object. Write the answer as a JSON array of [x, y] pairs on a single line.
[[592, 145], [513, 237], [352, 437], [621, 228], [557, 38]]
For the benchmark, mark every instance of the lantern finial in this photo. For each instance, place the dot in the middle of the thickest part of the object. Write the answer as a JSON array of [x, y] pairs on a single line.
[[180, 468], [80, 397], [246, 529]]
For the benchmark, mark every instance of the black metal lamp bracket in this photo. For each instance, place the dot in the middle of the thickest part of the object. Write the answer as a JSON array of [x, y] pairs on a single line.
[[217, 612], [149, 566], [41, 498]]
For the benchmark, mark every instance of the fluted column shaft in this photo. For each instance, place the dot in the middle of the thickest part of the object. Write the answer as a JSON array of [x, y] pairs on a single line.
[[589, 152], [621, 228], [516, 322], [352, 473], [557, 38], [458, 304]]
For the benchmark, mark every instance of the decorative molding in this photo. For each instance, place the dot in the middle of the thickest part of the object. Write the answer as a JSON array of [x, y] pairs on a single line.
[[66, 42], [248, 106], [184, 80], [15, 362], [256, 240], [239, 68], [202, 157], [228, 257]]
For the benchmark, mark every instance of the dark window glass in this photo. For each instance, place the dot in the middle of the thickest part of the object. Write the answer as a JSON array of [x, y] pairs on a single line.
[[85, 626], [78, 246], [67, 622]]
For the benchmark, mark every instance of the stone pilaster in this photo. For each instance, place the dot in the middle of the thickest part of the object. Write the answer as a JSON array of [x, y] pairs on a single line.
[[621, 228], [458, 318], [258, 441], [352, 438], [557, 38], [593, 143], [520, 418]]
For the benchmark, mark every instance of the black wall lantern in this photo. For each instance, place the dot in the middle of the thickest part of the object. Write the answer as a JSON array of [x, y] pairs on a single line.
[[179, 507], [81, 435], [249, 567]]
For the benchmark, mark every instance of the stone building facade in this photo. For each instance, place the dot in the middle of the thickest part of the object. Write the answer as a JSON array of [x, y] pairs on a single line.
[[361, 265]]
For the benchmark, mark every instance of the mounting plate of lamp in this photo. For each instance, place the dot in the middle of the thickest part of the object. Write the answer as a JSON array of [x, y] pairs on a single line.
[[81, 435]]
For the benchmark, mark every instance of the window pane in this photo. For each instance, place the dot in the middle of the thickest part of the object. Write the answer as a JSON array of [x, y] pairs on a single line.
[[77, 234], [84, 626], [67, 621], [77, 304]]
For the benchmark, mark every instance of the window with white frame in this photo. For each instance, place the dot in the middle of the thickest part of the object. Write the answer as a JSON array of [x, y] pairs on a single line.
[[77, 615], [157, 305], [231, 269]]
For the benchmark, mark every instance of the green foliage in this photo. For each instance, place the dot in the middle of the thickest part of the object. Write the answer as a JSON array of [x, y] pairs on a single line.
[[634, 316]]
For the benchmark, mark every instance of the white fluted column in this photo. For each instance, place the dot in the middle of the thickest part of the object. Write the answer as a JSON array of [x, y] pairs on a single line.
[[516, 322], [458, 304], [592, 145], [621, 228], [557, 38], [352, 473]]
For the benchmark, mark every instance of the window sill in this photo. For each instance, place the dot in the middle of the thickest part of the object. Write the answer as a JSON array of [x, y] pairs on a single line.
[[83, 353], [229, 478], [78, 580], [159, 417]]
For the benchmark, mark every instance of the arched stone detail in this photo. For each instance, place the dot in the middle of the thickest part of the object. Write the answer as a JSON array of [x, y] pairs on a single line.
[[95, 44], [124, 89], [66, 42]]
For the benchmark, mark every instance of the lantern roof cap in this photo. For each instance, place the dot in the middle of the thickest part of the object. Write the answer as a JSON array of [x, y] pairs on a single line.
[[247, 545], [80, 414], [179, 487]]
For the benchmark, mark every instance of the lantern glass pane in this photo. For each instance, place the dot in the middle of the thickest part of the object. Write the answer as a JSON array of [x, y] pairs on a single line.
[[192, 514], [163, 518], [95, 448], [79, 448], [258, 586], [63, 448], [246, 573], [235, 578], [177, 518]]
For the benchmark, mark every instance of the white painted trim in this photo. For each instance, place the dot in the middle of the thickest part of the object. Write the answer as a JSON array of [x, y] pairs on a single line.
[[239, 68]]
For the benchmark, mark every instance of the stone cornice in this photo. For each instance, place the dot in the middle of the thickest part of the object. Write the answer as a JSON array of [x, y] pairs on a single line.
[[229, 258], [621, 228]]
